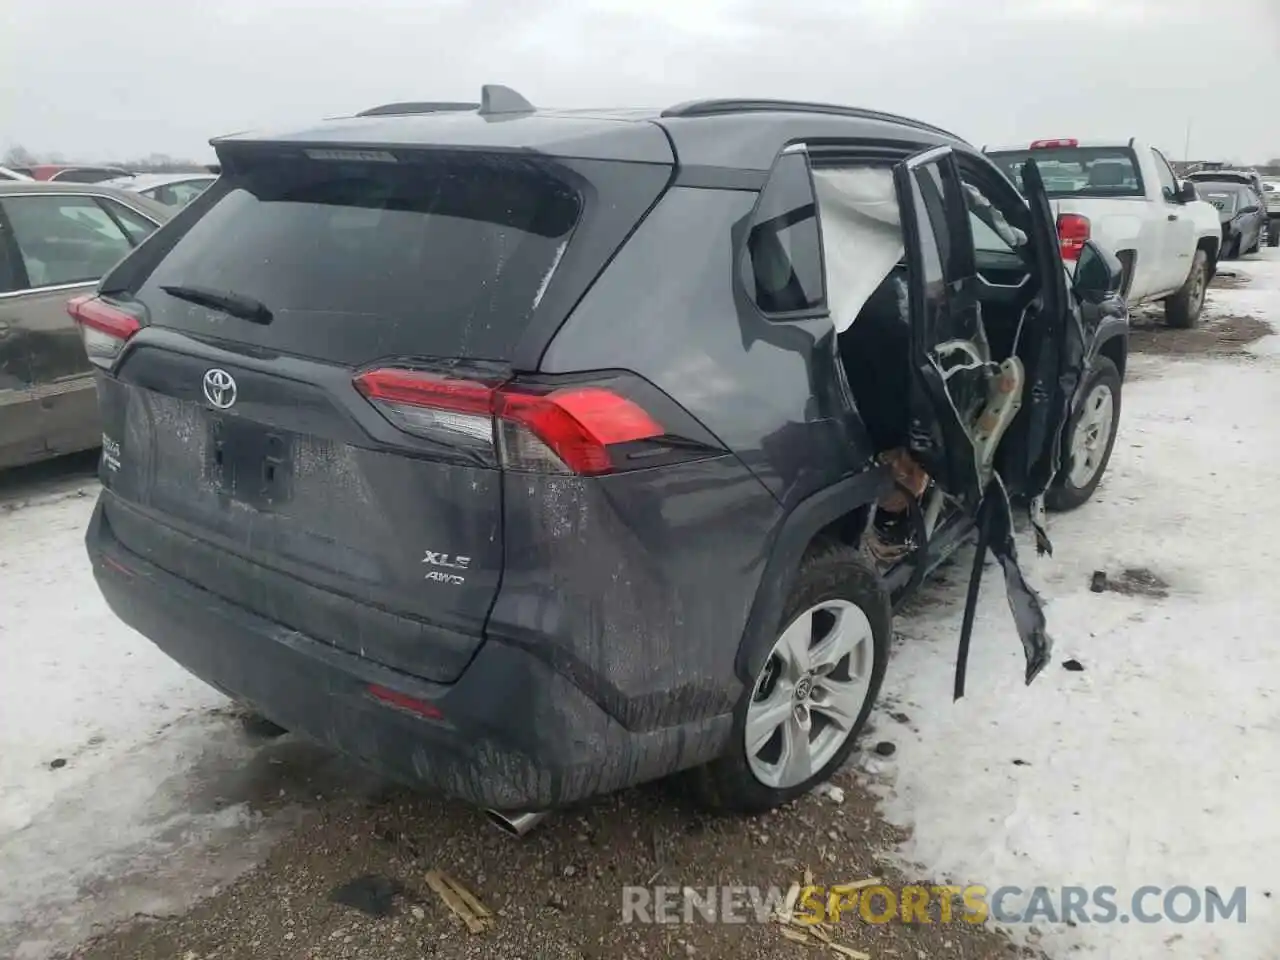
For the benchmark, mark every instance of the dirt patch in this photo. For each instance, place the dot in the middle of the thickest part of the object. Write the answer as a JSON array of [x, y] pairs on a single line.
[[556, 894], [1217, 336], [1132, 582]]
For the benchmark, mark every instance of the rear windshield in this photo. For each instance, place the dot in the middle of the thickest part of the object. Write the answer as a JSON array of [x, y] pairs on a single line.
[[1077, 171], [446, 256], [1225, 196]]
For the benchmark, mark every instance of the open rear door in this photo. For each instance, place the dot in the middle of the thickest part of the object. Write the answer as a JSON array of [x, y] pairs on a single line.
[[949, 354], [953, 374]]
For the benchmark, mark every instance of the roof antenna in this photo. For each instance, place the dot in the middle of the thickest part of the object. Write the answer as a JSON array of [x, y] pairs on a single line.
[[496, 99]]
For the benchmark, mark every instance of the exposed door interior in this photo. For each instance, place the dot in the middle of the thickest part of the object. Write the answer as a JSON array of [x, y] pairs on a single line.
[[933, 364]]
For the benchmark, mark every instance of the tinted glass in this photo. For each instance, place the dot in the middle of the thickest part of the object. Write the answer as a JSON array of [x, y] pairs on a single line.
[[1077, 171], [177, 194], [1227, 197], [64, 239], [359, 261], [135, 225], [784, 248]]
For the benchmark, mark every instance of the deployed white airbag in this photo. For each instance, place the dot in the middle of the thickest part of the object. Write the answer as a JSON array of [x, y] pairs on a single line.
[[861, 235]]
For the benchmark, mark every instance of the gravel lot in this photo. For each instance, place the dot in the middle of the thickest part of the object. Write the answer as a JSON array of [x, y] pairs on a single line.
[[557, 893]]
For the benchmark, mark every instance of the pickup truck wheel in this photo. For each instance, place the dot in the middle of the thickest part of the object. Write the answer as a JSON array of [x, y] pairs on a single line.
[[798, 720], [1091, 433], [1182, 310]]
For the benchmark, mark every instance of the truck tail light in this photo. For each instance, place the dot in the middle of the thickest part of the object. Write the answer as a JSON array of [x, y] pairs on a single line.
[[1052, 144], [1073, 231], [569, 429], [105, 329]]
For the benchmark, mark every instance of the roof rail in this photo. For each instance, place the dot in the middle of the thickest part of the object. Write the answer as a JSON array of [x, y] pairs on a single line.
[[496, 99], [410, 107], [714, 108]]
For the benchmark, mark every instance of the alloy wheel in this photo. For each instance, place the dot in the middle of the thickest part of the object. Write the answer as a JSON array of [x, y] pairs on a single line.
[[1091, 436], [810, 693]]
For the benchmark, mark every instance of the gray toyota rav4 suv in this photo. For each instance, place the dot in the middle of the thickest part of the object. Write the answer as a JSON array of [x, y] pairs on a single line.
[[528, 454]]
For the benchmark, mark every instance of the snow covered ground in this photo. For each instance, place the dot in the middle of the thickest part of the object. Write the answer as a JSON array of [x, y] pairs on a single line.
[[1159, 763], [120, 774]]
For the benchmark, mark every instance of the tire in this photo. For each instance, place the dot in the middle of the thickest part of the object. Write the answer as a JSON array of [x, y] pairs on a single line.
[[1182, 310], [834, 588], [1070, 488], [1273, 233]]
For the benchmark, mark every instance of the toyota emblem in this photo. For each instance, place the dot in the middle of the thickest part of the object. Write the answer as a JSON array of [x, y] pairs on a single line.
[[219, 388]]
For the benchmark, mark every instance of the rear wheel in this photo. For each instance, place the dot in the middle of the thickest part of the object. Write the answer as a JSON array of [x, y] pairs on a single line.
[[1091, 434], [798, 721], [1182, 310]]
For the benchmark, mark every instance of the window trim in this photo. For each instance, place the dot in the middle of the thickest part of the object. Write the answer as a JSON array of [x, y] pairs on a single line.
[[96, 198], [741, 251], [1162, 159]]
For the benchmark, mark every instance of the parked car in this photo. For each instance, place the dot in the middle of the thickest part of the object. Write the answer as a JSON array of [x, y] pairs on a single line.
[[1125, 195], [542, 459], [1271, 197], [1227, 175], [56, 240], [1241, 212], [171, 189], [75, 173]]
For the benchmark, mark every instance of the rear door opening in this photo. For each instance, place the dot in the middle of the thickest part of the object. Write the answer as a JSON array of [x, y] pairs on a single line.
[[307, 411]]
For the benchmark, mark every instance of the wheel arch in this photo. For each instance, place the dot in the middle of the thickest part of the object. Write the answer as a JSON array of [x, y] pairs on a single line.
[[1115, 347], [1212, 246], [836, 512]]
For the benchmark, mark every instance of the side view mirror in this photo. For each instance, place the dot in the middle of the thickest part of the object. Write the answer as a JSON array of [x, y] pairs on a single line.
[[1099, 274], [1252, 208], [1186, 192]]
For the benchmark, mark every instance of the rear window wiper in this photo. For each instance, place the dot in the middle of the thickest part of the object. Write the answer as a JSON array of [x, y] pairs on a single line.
[[228, 301]]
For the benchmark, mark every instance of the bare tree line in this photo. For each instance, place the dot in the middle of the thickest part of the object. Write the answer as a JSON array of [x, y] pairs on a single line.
[[19, 156]]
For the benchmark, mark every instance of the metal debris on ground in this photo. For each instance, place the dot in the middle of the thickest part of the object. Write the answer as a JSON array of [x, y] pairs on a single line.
[[818, 934], [460, 901]]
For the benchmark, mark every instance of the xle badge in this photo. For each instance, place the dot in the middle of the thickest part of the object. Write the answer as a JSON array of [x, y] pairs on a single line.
[[444, 562]]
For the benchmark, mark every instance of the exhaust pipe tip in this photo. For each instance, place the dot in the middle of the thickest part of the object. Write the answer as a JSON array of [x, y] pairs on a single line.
[[516, 824]]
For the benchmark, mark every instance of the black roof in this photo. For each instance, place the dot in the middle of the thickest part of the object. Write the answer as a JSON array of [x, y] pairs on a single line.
[[741, 134]]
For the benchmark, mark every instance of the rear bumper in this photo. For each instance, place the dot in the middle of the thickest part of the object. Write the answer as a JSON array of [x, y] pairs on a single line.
[[56, 420], [514, 735]]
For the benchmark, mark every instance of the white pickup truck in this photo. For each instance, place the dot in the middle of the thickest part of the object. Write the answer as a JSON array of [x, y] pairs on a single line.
[[1126, 197]]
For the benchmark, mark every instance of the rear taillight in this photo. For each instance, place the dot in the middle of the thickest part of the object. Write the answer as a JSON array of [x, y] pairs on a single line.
[[1073, 231], [571, 429], [1052, 144], [105, 329]]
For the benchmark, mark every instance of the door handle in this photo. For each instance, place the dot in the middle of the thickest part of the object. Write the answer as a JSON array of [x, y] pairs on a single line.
[[1173, 217]]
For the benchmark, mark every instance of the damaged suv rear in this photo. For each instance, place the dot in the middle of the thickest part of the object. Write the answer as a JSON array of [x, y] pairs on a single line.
[[527, 455]]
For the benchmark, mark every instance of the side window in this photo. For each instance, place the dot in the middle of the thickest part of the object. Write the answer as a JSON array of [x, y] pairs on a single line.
[[1168, 182], [940, 248], [183, 193], [782, 262], [64, 239], [135, 225], [11, 278]]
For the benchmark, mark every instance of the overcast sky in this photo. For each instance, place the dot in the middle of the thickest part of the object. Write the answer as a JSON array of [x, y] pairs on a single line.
[[125, 78]]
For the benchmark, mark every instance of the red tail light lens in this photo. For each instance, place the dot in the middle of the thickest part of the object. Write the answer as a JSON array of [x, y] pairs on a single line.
[[565, 430], [1073, 231], [103, 328], [402, 701], [1051, 144]]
